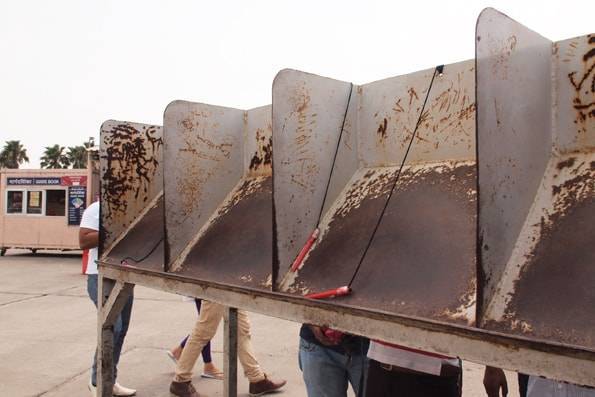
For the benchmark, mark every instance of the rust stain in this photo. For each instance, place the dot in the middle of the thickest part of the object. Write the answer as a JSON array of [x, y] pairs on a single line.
[[382, 129], [263, 155], [132, 158], [584, 85]]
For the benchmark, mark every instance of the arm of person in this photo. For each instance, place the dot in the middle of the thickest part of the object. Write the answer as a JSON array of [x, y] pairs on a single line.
[[89, 227], [88, 238], [320, 336], [494, 379]]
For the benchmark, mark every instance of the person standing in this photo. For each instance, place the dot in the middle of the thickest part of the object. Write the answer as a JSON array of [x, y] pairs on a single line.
[[209, 369], [89, 239], [205, 328], [396, 371], [331, 360]]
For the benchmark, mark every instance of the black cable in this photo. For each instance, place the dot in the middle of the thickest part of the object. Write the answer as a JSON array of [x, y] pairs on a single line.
[[438, 70], [328, 182], [144, 257]]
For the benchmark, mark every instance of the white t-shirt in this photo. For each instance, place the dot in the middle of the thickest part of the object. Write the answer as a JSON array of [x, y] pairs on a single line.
[[413, 359], [541, 387], [90, 220]]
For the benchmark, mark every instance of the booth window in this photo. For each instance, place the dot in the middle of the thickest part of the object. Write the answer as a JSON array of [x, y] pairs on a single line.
[[14, 202], [55, 202], [34, 201]]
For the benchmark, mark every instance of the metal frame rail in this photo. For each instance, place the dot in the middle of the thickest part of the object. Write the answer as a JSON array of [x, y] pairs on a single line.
[[559, 361]]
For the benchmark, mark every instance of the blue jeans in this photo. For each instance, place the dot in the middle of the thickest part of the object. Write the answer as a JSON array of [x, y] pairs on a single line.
[[120, 327], [327, 372]]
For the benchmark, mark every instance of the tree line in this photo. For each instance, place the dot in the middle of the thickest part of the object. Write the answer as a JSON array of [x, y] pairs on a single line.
[[14, 154]]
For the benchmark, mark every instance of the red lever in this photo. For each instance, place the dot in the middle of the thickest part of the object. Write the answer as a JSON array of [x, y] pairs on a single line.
[[305, 249], [331, 293]]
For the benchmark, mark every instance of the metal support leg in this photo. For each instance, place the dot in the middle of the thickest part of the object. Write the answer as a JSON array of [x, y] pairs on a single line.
[[113, 295], [230, 358]]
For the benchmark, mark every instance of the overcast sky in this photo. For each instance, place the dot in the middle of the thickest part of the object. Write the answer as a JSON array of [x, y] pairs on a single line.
[[66, 66]]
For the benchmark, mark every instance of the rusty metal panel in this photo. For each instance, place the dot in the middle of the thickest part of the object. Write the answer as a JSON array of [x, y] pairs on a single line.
[[226, 154], [546, 290], [308, 112], [142, 245], [203, 157], [422, 260], [131, 177], [514, 129]]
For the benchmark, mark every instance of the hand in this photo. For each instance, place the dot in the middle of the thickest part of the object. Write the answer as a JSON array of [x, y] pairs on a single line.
[[320, 336], [493, 380]]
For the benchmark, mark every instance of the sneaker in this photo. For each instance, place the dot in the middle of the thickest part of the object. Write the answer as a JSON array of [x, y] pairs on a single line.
[[183, 389], [265, 386], [122, 391], [92, 389]]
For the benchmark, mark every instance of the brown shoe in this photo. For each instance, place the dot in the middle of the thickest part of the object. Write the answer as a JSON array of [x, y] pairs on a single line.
[[183, 389], [265, 386]]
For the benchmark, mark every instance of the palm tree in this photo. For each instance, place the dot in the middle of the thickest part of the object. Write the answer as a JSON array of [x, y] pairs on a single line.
[[77, 156], [54, 157], [90, 143], [13, 154]]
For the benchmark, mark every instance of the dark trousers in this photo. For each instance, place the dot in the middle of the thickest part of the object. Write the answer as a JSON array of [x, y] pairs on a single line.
[[383, 383]]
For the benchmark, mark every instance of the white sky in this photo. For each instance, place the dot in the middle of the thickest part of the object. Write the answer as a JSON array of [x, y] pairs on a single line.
[[66, 66]]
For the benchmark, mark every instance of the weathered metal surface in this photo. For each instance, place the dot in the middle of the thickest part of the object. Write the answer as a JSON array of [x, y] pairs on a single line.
[[514, 134], [422, 260], [143, 243], [131, 175], [308, 111], [236, 247], [223, 200], [546, 289], [486, 347], [203, 155]]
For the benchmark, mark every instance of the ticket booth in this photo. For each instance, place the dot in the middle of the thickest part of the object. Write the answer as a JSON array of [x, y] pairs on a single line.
[[42, 209]]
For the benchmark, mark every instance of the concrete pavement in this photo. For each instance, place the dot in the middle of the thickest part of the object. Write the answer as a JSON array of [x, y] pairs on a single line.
[[47, 336]]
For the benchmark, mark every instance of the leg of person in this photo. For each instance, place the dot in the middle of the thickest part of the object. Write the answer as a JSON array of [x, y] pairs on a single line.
[[206, 351], [324, 370], [356, 371], [92, 291], [379, 382], [259, 383], [204, 330], [120, 331]]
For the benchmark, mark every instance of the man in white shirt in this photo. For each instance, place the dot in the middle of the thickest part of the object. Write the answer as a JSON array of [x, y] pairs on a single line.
[[89, 239], [396, 371]]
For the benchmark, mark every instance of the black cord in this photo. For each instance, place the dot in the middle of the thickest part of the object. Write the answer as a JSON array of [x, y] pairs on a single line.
[[438, 70], [328, 182], [144, 257]]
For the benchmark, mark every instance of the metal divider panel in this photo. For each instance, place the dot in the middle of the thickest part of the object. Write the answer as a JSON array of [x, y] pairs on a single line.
[[391, 277], [131, 184], [203, 161], [234, 245], [514, 103], [308, 112], [547, 289], [421, 261]]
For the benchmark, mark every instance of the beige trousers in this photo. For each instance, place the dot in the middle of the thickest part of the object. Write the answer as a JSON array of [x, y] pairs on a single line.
[[204, 330]]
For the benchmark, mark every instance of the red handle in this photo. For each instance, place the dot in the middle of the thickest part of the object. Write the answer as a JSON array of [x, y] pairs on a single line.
[[305, 249], [331, 293]]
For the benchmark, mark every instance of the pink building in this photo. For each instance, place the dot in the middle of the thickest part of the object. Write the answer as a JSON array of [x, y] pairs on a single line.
[[41, 209]]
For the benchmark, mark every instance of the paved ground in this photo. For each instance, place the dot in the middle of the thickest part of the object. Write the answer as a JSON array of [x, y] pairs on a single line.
[[47, 336]]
